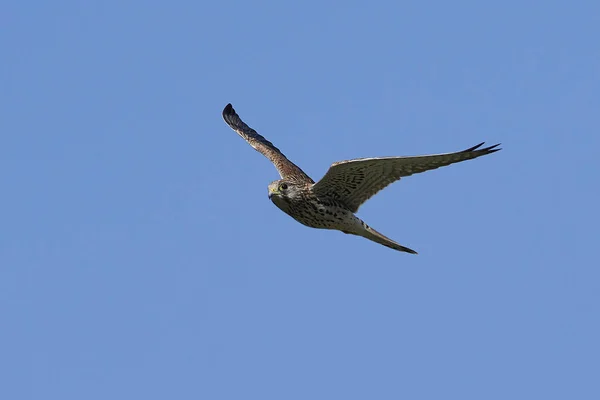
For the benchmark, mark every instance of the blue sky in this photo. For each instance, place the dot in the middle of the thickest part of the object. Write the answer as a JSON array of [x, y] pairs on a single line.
[[141, 258]]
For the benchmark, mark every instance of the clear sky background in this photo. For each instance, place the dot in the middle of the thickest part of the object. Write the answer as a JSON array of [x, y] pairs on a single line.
[[141, 259]]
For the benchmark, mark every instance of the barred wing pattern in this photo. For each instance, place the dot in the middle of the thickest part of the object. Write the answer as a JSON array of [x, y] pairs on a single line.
[[353, 182], [286, 168]]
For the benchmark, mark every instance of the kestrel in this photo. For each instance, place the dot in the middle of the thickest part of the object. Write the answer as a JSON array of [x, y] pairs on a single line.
[[332, 202]]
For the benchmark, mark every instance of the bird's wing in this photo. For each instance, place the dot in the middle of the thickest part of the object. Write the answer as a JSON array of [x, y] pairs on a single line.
[[353, 182], [286, 168]]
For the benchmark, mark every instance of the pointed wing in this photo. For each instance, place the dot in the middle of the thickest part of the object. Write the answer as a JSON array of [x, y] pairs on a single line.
[[355, 181], [286, 168]]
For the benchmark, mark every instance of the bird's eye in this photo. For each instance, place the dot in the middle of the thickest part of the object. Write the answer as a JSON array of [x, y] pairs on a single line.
[[283, 186]]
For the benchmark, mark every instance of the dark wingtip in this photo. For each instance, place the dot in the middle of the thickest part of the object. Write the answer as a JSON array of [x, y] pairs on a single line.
[[485, 150], [228, 110], [405, 249], [492, 149], [474, 147]]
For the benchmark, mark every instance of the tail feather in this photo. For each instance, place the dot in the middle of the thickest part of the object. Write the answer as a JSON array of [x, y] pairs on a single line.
[[372, 234]]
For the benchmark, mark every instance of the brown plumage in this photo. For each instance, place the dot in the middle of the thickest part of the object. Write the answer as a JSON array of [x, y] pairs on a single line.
[[331, 202]]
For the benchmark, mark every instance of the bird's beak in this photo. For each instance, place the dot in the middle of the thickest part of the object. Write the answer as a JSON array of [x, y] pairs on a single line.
[[272, 191]]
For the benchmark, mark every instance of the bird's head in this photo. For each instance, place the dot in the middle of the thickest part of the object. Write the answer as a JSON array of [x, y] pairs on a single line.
[[282, 191]]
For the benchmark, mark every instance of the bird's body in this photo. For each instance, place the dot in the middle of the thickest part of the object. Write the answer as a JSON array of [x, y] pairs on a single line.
[[300, 202], [332, 202], [309, 210]]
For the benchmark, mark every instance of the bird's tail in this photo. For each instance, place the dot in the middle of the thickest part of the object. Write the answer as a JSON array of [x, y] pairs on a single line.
[[377, 237]]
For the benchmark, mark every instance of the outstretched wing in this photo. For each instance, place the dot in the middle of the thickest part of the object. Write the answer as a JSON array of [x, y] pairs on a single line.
[[353, 182], [286, 168]]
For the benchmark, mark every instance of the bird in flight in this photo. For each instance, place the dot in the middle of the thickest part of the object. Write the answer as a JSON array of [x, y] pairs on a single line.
[[332, 202]]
